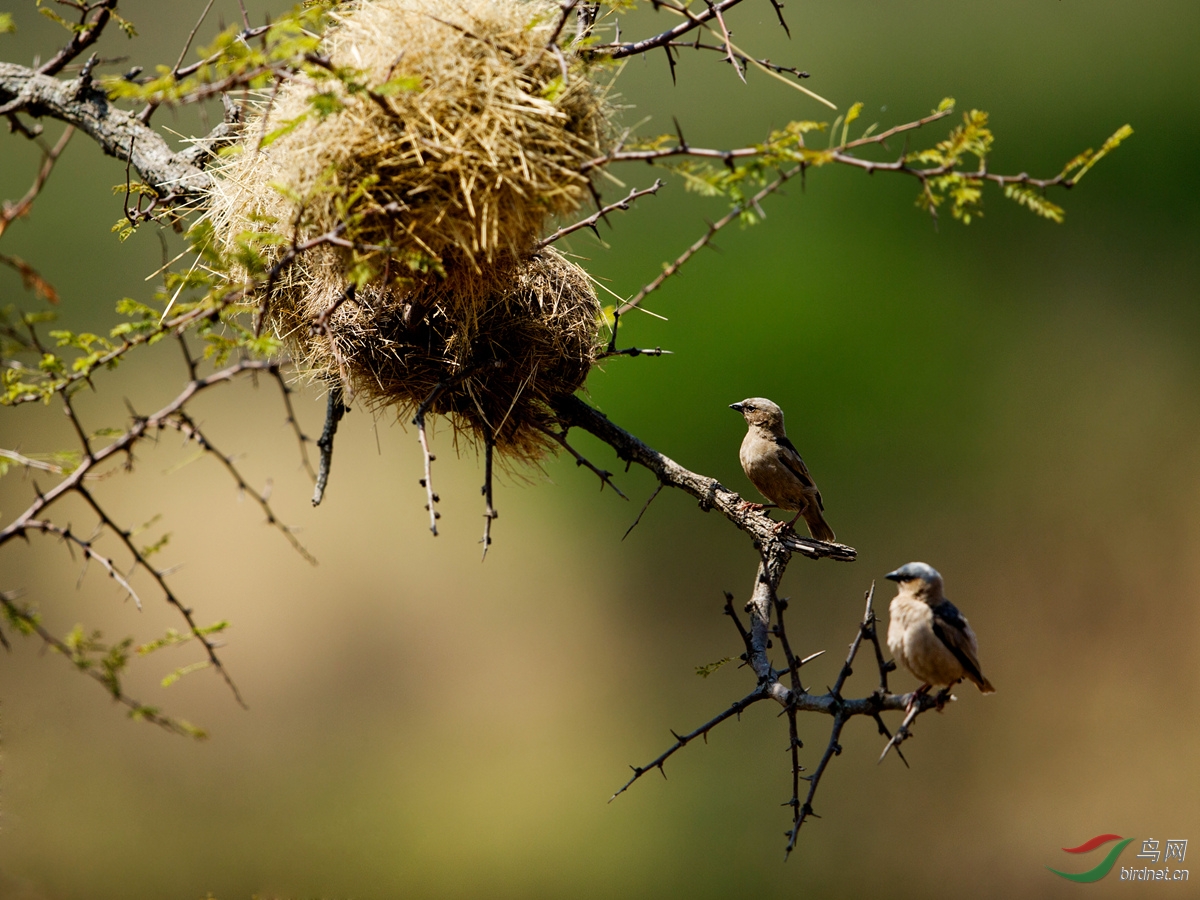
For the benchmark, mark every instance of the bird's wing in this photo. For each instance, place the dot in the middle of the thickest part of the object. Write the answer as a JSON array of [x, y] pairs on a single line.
[[791, 458], [953, 631]]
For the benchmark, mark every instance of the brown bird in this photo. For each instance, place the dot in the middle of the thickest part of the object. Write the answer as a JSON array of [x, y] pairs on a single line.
[[774, 466], [928, 635]]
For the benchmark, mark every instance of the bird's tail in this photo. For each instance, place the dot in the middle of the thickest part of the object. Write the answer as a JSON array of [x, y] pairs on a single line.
[[985, 686], [817, 526]]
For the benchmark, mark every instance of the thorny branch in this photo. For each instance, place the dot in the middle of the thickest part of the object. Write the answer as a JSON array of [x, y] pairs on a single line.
[[92, 464], [11, 212], [489, 510], [602, 213], [107, 674], [706, 239], [776, 550]]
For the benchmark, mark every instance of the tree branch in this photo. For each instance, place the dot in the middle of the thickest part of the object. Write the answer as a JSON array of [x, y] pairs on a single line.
[[116, 131]]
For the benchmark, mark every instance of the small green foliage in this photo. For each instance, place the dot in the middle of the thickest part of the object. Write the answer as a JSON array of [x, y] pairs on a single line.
[[1082, 163], [7, 25], [184, 670], [125, 25], [326, 103], [1034, 200], [705, 671], [21, 619], [73, 27], [288, 48], [150, 549], [87, 652], [399, 85], [173, 638]]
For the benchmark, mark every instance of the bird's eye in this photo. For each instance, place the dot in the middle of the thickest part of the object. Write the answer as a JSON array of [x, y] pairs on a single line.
[[751, 408]]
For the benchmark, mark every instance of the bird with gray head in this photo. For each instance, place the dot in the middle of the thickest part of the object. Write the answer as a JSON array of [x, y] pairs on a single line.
[[928, 635], [775, 467]]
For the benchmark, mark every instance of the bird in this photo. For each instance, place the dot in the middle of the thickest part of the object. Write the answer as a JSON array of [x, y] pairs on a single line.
[[775, 467], [928, 635]]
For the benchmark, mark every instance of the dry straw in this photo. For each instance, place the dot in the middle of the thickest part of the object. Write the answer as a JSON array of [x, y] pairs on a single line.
[[458, 136]]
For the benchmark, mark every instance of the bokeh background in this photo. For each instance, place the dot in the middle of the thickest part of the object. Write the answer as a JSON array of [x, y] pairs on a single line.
[[1016, 402]]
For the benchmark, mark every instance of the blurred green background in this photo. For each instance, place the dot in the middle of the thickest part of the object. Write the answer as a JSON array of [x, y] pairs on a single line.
[[1017, 403]]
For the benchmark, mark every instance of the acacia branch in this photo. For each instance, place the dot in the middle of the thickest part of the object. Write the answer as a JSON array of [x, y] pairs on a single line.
[[11, 212], [692, 21], [116, 131], [26, 620], [88, 34], [185, 425], [572, 411], [705, 239], [602, 213]]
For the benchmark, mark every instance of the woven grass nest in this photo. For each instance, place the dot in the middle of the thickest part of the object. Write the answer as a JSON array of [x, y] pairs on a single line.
[[443, 175]]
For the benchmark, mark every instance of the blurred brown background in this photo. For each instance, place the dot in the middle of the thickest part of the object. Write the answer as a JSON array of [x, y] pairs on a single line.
[[1017, 403]]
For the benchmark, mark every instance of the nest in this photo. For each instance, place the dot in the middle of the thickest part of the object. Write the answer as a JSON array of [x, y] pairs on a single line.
[[437, 165]]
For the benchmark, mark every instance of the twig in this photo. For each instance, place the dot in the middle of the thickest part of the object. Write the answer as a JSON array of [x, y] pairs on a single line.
[[81, 38], [694, 20], [185, 425], [611, 350], [657, 490], [302, 439], [729, 54], [697, 44], [489, 511], [427, 482], [580, 460], [89, 552], [335, 408], [590, 221], [10, 213], [107, 678], [707, 237], [682, 740]]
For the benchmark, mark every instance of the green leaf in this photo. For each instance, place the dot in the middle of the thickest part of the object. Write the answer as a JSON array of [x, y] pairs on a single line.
[[1107, 147], [184, 670], [324, 104], [402, 84], [55, 17], [286, 128], [705, 671], [7, 25], [1033, 200]]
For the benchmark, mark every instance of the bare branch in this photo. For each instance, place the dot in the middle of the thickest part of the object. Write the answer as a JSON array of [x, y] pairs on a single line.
[[590, 221], [335, 408], [87, 35], [710, 492], [603, 474], [185, 425], [682, 740], [11, 212], [707, 237], [693, 20], [489, 511]]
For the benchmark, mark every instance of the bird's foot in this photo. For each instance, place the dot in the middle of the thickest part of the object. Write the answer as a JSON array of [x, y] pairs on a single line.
[[747, 505], [916, 697]]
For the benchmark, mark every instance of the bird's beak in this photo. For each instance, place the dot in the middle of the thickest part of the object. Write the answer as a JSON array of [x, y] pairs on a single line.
[[736, 407], [893, 576]]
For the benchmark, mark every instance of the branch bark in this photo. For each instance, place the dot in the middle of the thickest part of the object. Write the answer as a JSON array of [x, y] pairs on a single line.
[[119, 133]]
